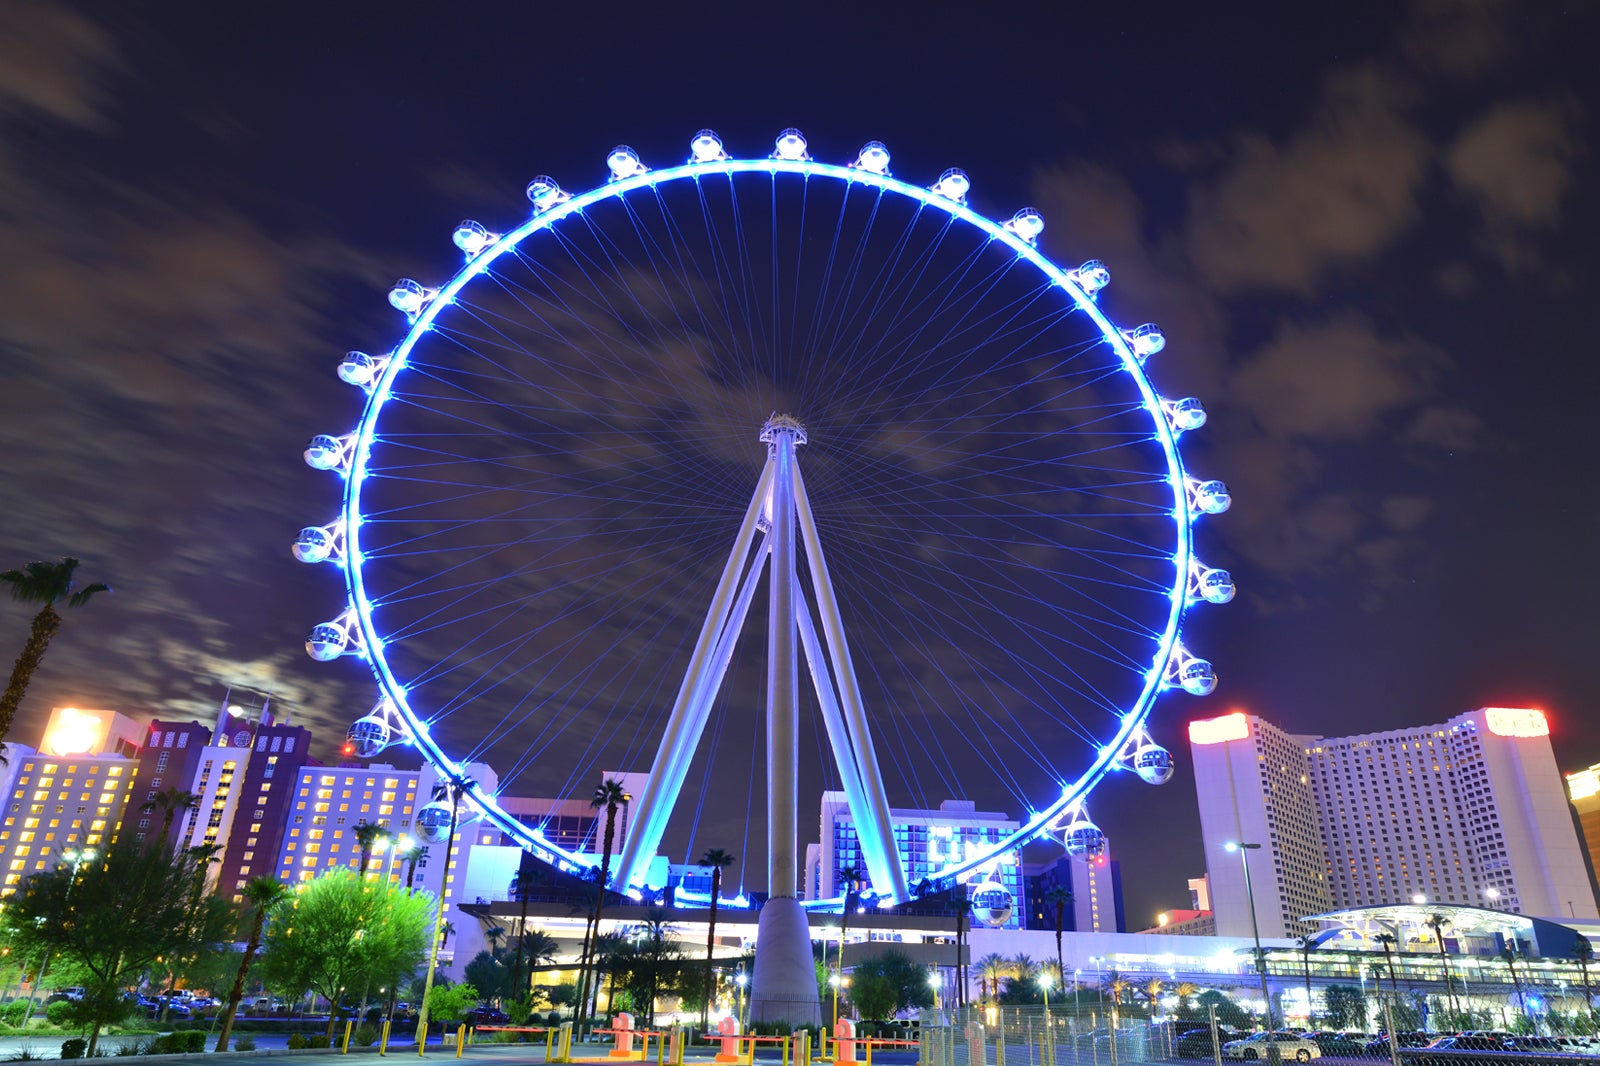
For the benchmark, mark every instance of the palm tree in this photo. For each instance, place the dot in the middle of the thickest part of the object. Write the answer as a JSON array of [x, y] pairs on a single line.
[[1185, 991], [963, 908], [850, 878], [494, 934], [1437, 922], [48, 584], [263, 894], [1583, 953], [1057, 897], [611, 795], [1509, 954], [411, 856], [1307, 944], [1388, 941], [1152, 990], [445, 930], [718, 860], [367, 835], [991, 968], [521, 888], [169, 801]]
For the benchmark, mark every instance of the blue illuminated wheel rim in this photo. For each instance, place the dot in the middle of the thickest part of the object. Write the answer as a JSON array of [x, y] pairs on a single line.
[[547, 464]]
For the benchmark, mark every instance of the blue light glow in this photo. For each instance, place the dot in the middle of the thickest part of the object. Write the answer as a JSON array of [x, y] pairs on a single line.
[[948, 194]]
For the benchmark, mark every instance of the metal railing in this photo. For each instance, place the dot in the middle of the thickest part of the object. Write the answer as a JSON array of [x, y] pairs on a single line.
[[1034, 1036]]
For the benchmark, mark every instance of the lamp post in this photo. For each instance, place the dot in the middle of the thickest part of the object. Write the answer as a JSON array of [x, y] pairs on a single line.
[[741, 980], [77, 859], [1244, 851]]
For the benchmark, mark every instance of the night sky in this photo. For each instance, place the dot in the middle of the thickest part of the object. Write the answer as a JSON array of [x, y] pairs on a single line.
[[1365, 230]]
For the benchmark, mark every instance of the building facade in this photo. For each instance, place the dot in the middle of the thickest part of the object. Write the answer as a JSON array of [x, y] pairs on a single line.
[[71, 794], [1583, 791], [927, 840], [1470, 812], [1096, 886]]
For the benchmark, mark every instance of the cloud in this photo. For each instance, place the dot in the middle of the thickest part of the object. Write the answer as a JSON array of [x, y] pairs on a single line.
[[52, 62], [1282, 213], [1515, 163], [1333, 379]]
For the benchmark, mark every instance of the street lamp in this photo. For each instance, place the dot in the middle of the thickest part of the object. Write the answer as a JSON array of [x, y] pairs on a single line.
[[1244, 851], [77, 859], [741, 980], [1045, 982]]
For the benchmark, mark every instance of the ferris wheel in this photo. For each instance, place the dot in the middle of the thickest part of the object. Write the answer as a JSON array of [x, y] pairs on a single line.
[[814, 393]]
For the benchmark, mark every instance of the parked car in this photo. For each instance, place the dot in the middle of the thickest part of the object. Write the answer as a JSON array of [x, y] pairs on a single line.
[[1196, 1043], [1455, 1045], [1545, 1044], [1378, 1046], [1345, 1044], [486, 1015], [174, 1009], [1288, 1045]]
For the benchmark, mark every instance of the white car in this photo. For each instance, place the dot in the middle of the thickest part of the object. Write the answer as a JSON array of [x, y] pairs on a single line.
[[1290, 1048]]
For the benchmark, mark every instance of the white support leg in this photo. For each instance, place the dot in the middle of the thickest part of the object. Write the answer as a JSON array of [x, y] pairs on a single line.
[[839, 740], [877, 809], [648, 817]]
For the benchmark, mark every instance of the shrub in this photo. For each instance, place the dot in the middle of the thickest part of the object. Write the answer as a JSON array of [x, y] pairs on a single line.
[[25, 1055], [194, 1040], [129, 1047], [13, 1013], [244, 1043], [365, 1035], [298, 1042], [74, 1047], [60, 1012], [320, 1040]]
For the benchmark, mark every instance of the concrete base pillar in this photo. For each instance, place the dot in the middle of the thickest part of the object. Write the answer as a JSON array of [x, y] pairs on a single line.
[[784, 987]]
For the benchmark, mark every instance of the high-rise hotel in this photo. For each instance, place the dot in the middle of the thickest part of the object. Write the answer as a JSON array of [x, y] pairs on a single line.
[[1471, 811]]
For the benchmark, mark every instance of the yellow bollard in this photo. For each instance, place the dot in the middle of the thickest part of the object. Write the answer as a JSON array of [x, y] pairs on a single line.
[[422, 1039], [344, 1048], [383, 1038], [549, 1042], [869, 1053], [461, 1040]]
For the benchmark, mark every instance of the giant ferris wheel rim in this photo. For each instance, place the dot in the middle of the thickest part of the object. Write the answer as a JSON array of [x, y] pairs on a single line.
[[360, 606]]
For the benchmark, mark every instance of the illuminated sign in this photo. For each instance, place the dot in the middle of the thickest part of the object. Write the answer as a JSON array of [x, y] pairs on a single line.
[[74, 732], [1516, 722], [1233, 726], [1584, 783]]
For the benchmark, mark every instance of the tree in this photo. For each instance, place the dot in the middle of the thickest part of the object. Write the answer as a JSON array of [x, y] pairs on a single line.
[[367, 835], [887, 983], [170, 802], [611, 795], [46, 584], [1307, 944], [451, 1002], [718, 860], [1509, 954], [488, 973], [528, 873], [494, 934], [1056, 897], [1186, 991], [411, 856], [112, 918], [263, 895], [1583, 954], [991, 968], [1387, 941], [337, 933], [1345, 1007], [963, 908], [1152, 990], [1437, 922], [648, 962], [1228, 1012]]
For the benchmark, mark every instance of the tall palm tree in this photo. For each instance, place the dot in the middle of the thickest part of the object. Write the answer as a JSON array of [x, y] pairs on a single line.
[[411, 856], [446, 930], [1056, 897], [1437, 922], [1185, 991], [262, 894], [170, 801], [963, 908], [1388, 941], [367, 835], [1024, 971], [718, 860], [1583, 954], [1307, 944], [494, 934], [611, 795], [1509, 954], [1152, 990], [47, 584], [521, 889]]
